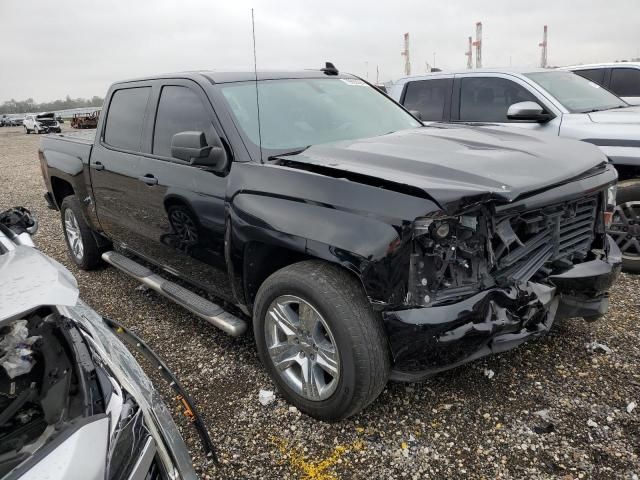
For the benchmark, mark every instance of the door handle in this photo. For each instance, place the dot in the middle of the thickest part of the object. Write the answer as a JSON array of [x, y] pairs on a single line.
[[98, 166], [148, 179]]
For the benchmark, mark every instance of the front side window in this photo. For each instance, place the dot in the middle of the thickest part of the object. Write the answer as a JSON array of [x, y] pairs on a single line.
[[576, 94], [297, 113], [487, 99], [596, 75], [125, 119], [625, 82], [428, 97], [180, 110]]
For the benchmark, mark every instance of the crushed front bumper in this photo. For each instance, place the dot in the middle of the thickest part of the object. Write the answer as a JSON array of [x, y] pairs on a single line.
[[425, 341]]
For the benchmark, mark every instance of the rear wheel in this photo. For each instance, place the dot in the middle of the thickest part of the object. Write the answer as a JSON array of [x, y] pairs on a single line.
[[26, 130], [320, 341], [625, 228], [81, 244]]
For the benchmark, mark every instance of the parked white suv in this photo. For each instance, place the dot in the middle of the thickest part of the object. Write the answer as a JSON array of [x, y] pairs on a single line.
[[547, 101], [621, 78], [41, 123]]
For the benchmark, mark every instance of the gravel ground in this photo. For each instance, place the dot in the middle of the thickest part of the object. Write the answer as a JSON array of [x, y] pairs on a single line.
[[551, 409]]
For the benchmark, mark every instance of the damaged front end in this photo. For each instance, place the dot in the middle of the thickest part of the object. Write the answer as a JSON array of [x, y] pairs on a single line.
[[497, 274]]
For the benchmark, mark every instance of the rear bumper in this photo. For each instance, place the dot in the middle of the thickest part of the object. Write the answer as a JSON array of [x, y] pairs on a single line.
[[425, 341]]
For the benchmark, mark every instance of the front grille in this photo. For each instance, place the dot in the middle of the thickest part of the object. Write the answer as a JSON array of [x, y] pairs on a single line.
[[544, 239]]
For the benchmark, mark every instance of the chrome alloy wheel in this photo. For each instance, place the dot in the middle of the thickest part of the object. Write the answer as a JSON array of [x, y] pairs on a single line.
[[302, 348], [625, 228], [72, 231]]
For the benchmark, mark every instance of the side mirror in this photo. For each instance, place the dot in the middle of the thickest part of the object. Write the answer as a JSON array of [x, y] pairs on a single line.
[[416, 114], [527, 112], [192, 147]]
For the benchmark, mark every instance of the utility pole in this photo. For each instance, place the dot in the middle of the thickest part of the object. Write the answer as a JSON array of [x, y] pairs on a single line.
[[543, 45], [405, 54], [377, 75], [469, 54], [478, 45]]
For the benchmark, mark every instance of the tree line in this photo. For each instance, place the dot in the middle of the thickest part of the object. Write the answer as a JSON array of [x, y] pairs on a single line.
[[29, 105]]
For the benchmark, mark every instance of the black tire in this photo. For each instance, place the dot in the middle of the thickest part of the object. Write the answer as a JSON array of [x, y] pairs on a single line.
[[357, 331], [27, 131], [91, 255], [629, 191]]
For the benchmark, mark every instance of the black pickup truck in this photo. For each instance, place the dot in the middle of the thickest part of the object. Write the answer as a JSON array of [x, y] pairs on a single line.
[[360, 244]]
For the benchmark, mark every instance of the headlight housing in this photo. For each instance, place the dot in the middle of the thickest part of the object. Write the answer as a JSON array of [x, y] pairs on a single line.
[[447, 259], [610, 204]]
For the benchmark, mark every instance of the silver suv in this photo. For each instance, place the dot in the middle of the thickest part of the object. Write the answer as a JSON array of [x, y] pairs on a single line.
[[546, 101], [621, 78]]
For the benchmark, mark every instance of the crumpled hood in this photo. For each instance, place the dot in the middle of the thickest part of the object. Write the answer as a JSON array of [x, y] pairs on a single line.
[[622, 116], [29, 279], [450, 162]]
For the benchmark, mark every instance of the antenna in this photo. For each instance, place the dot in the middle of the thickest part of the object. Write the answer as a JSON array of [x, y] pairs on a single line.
[[255, 72]]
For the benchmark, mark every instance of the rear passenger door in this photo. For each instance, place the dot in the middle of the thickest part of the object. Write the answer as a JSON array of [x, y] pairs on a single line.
[[432, 98], [115, 162], [486, 99], [183, 205]]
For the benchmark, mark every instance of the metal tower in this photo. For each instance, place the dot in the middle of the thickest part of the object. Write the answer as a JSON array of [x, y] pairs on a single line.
[[469, 54], [543, 54], [405, 54], [478, 45]]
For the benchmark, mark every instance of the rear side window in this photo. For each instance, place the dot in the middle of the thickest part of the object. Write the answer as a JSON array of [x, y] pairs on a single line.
[[180, 110], [428, 97], [596, 75], [488, 99], [625, 82], [125, 119]]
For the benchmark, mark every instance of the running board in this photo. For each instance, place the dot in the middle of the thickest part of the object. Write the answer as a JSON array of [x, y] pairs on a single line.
[[200, 306]]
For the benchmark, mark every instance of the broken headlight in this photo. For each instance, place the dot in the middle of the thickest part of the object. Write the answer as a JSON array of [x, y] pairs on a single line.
[[448, 258], [610, 204]]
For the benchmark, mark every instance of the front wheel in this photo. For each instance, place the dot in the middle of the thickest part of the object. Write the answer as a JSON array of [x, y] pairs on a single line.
[[27, 131], [320, 341], [625, 228]]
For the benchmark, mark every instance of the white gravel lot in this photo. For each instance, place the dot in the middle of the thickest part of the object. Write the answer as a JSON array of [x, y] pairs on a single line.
[[552, 409]]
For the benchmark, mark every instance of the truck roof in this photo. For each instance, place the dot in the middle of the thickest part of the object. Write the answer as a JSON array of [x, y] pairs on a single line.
[[509, 70], [215, 76]]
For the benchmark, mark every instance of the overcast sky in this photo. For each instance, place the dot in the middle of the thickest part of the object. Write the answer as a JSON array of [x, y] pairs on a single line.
[[53, 48]]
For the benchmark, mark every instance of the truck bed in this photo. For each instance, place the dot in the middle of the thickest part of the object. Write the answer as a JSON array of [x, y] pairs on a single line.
[[82, 136], [66, 152]]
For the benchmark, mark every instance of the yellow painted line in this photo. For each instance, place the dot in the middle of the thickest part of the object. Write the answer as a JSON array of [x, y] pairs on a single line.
[[314, 469]]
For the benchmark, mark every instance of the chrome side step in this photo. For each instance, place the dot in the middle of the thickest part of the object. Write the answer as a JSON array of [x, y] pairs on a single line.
[[200, 306]]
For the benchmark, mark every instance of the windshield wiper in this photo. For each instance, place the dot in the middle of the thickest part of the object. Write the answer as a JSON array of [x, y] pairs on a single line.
[[287, 154]]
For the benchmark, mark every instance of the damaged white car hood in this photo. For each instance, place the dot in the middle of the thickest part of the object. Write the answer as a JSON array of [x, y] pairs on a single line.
[[30, 279]]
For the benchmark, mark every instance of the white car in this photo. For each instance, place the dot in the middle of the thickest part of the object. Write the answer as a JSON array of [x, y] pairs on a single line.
[[621, 78], [551, 102], [74, 402], [41, 123]]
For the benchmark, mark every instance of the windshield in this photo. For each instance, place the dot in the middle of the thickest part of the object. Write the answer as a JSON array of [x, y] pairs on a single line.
[[297, 113], [577, 94]]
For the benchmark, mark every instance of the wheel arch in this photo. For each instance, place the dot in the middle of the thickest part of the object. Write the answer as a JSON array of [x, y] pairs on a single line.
[[265, 234], [60, 188]]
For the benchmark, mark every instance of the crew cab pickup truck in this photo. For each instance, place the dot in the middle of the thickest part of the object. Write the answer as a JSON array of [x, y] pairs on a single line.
[[548, 102], [360, 244]]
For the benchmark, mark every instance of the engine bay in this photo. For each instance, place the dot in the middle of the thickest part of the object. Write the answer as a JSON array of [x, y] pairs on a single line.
[[454, 257], [47, 380]]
